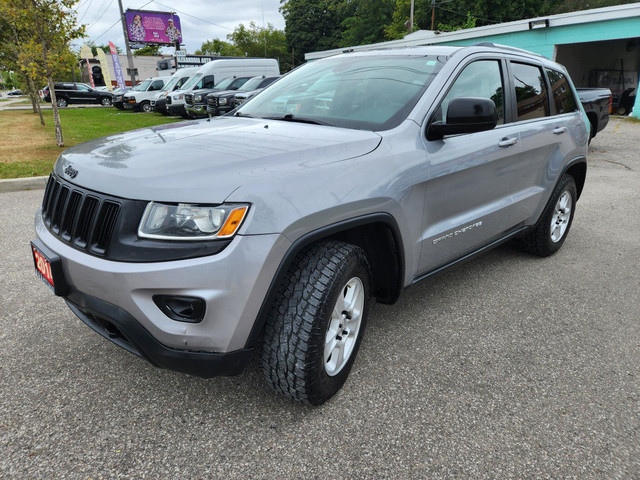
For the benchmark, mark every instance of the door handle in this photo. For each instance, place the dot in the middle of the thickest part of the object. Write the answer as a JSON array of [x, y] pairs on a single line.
[[507, 142], [559, 130]]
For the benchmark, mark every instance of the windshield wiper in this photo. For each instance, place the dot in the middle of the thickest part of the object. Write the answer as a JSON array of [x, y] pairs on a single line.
[[290, 118], [240, 114]]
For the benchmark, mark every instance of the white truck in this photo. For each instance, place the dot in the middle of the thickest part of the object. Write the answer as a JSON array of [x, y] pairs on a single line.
[[176, 81], [212, 72], [139, 97]]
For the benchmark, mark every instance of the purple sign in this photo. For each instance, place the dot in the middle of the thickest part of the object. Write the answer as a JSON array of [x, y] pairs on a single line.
[[116, 66], [153, 27]]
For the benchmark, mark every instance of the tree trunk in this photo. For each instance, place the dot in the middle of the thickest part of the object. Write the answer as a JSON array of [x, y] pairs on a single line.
[[35, 98], [56, 113]]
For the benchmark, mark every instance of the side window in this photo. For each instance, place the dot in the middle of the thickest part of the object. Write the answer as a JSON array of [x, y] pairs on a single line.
[[157, 85], [82, 88], [563, 97], [238, 82], [531, 91], [208, 81], [482, 78], [181, 82]]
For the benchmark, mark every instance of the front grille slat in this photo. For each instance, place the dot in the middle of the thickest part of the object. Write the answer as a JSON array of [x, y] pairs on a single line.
[[104, 226], [66, 230], [84, 219], [59, 209]]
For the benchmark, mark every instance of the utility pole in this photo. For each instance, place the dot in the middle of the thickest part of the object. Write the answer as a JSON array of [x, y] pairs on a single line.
[[411, 18], [433, 12], [126, 44]]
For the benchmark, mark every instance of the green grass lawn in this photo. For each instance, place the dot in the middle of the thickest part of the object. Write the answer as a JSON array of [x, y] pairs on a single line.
[[28, 149]]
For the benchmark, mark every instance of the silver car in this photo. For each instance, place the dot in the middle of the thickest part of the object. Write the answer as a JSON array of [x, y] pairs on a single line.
[[345, 182]]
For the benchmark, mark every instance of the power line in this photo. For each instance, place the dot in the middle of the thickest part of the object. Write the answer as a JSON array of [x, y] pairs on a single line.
[[465, 14], [197, 18], [86, 10], [118, 21], [104, 6]]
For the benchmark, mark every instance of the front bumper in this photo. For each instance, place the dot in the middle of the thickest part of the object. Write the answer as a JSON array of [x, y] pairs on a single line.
[[197, 110], [176, 109], [115, 299], [131, 105]]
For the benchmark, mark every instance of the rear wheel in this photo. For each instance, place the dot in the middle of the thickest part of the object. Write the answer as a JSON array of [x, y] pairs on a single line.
[[317, 321], [62, 102], [553, 227]]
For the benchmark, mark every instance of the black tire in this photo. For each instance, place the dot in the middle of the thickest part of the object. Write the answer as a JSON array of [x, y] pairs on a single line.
[[539, 240], [62, 102], [106, 101], [293, 345], [145, 107]]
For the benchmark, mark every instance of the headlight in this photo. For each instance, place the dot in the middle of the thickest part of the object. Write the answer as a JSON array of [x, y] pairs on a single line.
[[222, 101], [197, 98], [191, 222], [178, 97]]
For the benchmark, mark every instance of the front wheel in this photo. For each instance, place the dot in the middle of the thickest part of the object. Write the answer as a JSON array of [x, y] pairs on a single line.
[[106, 101], [552, 229], [316, 322], [145, 107]]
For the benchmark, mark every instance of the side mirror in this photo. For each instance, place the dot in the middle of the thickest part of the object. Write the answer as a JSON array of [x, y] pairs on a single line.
[[465, 115]]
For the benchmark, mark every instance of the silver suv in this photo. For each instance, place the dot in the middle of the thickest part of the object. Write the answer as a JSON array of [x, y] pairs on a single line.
[[275, 227]]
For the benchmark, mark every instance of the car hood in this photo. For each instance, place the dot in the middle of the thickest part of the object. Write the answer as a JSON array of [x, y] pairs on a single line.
[[205, 161]]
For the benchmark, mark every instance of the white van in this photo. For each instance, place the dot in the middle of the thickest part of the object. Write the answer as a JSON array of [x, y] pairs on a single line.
[[212, 72], [139, 97], [176, 81]]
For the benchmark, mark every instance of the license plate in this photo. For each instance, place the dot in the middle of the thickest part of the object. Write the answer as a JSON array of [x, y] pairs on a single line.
[[49, 270], [43, 267]]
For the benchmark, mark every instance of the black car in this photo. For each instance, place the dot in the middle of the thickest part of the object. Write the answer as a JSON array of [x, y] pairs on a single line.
[[219, 103], [196, 102], [67, 93], [15, 93]]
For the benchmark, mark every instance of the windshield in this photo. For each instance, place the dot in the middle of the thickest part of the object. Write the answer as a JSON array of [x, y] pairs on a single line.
[[142, 86], [191, 82], [224, 83], [362, 92], [251, 84], [169, 86]]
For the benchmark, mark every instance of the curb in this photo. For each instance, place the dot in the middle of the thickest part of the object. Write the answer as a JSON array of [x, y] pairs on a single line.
[[19, 184]]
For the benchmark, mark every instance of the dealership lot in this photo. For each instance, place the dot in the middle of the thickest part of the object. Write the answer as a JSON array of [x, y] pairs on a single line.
[[508, 366]]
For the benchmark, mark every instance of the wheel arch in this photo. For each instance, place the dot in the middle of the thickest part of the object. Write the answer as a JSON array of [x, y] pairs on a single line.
[[578, 170], [377, 234]]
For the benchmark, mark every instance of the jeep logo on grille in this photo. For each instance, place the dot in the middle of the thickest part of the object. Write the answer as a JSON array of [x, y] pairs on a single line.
[[72, 172]]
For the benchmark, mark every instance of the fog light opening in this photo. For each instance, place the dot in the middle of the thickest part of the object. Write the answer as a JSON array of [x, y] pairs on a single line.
[[181, 309]]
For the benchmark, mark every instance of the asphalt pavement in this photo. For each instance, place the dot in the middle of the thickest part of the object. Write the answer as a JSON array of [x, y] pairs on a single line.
[[508, 366]]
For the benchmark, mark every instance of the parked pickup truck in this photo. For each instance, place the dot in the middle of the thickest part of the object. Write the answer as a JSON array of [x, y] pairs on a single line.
[[597, 105], [275, 227]]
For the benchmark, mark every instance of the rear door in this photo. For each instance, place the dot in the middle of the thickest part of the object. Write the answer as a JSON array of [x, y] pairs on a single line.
[[475, 190], [544, 134]]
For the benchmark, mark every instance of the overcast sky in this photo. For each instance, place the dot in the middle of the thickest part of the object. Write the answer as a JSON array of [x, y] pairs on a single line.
[[200, 19]]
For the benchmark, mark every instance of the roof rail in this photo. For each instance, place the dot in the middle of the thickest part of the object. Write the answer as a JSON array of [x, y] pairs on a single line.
[[506, 47]]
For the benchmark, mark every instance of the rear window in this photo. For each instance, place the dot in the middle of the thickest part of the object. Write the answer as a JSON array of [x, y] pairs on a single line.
[[563, 98], [531, 91]]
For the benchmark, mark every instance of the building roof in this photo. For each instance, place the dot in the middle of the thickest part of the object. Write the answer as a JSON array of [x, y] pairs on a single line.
[[430, 37]]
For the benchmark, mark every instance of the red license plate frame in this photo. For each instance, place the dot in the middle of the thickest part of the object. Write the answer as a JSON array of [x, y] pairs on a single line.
[[48, 268]]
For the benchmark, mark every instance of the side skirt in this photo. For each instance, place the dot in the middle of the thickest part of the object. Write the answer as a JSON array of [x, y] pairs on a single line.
[[468, 256]]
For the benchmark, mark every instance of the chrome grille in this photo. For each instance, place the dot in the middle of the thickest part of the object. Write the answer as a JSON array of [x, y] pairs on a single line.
[[81, 218], [188, 99]]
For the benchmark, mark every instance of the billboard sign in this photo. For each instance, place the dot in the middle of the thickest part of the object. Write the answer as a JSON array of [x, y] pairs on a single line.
[[153, 27]]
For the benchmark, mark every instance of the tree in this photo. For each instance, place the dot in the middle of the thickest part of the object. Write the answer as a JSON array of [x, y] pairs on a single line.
[[367, 21], [218, 47], [399, 21], [148, 50], [256, 41], [313, 25], [46, 28]]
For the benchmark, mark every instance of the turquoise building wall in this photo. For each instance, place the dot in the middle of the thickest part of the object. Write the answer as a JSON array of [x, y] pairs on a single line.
[[543, 40]]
